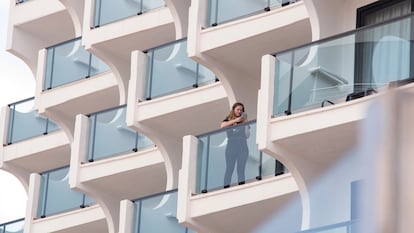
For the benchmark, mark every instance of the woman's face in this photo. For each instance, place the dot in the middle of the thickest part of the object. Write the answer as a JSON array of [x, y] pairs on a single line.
[[238, 110]]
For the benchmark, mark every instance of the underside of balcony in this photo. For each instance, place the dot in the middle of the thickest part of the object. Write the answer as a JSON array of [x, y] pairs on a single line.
[[244, 208], [109, 41], [194, 112], [86, 220], [127, 176], [269, 32], [39, 154], [314, 140], [35, 25], [80, 97]]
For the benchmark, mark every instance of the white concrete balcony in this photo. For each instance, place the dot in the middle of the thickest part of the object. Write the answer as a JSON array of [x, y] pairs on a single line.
[[238, 208], [112, 162], [53, 207], [312, 105], [72, 81], [230, 37], [171, 96], [112, 30], [36, 24], [30, 142]]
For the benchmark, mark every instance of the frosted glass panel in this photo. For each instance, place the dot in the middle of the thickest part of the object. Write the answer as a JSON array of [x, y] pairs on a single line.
[[170, 70], [107, 11], [25, 123], [308, 77], [56, 196], [69, 62], [110, 136], [16, 226], [224, 11], [158, 214]]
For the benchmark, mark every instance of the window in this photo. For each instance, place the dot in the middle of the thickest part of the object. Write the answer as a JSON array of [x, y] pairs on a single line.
[[384, 53]]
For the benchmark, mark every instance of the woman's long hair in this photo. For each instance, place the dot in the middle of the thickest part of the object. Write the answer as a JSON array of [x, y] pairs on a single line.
[[231, 115]]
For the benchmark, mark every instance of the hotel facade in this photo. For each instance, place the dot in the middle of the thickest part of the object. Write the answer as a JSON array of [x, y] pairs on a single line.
[[123, 133]]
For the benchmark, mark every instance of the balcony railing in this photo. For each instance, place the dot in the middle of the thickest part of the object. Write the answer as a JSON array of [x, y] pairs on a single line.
[[25, 123], [170, 70], [223, 11], [109, 135], [344, 67], [233, 148], [56, 196], [343, 227], [108, 11], [16, 226], [69, 62], [157, 213]]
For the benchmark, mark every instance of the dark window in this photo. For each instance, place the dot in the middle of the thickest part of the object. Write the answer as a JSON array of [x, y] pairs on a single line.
[[369, 64]]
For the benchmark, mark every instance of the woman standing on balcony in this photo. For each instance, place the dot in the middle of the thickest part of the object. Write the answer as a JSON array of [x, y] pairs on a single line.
[[236, 149]]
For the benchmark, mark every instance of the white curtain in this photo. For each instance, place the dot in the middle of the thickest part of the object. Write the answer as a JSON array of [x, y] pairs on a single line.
[[386, 48]]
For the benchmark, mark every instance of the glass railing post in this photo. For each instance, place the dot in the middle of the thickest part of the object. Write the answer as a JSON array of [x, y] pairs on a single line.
[[259, 177], [47, 127], [140, 7], [150, 73], [45, 190], [138, 217], [92, 139], [207, 160], [90, 66], [52, 69], [98, 10], [197, 75], [289, 110], [135, 149], [83, 201], [216, 15], [267, 8], [11, 125]]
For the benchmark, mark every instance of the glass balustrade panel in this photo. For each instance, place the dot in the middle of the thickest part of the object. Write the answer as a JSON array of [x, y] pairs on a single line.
[[170, 70], [69, 62], [56, 196], [97, 66], [108, 11], [25, 123], [110, 136], [230, 156], [224, 11], [158, 214], [16, 226], [310, 76]]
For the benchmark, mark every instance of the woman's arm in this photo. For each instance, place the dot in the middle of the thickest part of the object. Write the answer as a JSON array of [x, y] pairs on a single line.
[[231, 122]]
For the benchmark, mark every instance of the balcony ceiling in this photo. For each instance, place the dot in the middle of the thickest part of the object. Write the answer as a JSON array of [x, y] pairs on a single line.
[[118, 39], [82, 97], [174, 117], [131, 184], [121, 47], [224, 215], [246, 54], [52, 29]]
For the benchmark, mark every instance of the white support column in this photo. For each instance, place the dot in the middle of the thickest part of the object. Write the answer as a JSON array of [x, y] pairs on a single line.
[[126, 216], [265, 101], [32, 201], [79, 149]]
